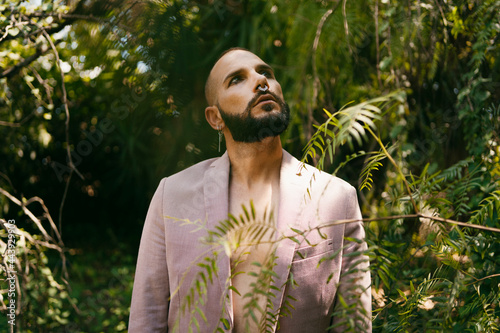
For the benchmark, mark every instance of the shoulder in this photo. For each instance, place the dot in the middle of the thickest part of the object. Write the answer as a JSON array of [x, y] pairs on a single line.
[[314, 178], [194, 171], [323, 196], [187, 179]]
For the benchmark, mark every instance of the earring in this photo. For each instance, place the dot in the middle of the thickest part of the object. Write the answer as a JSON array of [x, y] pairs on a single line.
[[220, 135]]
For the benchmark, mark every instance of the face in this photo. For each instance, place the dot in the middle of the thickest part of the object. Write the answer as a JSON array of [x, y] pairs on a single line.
[[249, 97], [248, 128]]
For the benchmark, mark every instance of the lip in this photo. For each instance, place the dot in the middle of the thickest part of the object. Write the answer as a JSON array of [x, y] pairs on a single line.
[[265, 98]]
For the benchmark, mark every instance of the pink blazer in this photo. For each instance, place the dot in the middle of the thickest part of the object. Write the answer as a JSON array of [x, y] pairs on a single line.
[[170, 249]]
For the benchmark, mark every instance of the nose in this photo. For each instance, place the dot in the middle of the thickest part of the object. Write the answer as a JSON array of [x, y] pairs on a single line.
[[262, 84]]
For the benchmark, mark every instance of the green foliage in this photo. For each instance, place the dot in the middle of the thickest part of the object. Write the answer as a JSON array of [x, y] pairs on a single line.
[[458, 258], [35, 296], [133, 75], [373, 163], [102, 285], [426, 273], [488, 211]]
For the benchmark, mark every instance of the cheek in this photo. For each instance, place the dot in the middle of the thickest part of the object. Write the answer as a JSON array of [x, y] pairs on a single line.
[[233, 101], [277, 90]]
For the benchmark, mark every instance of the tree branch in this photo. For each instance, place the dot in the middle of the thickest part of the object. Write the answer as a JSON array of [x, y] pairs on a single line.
[[19, 123], [63, 21], [48, 88], [486, 277], [10, 72], [49, 30], [8, 27], [47, 215], [435, 218], [26, 211], [398, 217], [77, 17]]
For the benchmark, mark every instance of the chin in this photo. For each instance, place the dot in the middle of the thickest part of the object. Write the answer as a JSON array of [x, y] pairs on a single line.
[[269, 107]]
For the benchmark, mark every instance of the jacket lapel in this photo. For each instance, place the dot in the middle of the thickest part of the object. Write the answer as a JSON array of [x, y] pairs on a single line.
[[289, 211], [215, 188]]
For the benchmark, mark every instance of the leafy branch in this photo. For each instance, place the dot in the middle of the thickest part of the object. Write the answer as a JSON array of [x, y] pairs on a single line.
[[31, 262]]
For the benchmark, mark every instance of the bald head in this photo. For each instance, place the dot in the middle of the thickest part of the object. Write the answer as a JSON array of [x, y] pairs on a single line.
[[210, 90], [211, 84]]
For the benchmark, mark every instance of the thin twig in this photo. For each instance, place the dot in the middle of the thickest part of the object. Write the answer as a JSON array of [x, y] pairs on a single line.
[[316, 82], [65, 103], [124, 13], [63, 200], [486, 277], [49, 30], [26, 211], [377, 46], [15, 25], [389, 54], [59, 246], [19, 123], [445, 22], [4, 176], [346, 25], [47, 215], [48, 88], [68, 151], [408, 216], [398, 169]]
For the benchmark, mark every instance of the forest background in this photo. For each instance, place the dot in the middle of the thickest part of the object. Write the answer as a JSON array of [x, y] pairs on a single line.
[[101, 99]]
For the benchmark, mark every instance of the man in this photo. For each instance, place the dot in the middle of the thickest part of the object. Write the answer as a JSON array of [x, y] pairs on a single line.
[[279, 266]]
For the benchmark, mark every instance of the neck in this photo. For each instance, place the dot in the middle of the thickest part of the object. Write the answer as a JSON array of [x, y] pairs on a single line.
[[257, 162]]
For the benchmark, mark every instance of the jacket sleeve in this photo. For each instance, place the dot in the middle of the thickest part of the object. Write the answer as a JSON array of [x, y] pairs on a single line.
[[151, 292], [353, 306]]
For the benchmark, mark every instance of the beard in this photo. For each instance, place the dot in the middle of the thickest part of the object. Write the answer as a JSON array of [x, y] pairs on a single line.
[[247, 128]]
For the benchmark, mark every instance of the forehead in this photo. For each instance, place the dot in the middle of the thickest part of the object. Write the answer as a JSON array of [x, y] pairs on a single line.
[[234, 61]]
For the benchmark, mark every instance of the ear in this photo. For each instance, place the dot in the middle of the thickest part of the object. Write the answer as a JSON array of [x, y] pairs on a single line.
[[213, 117]]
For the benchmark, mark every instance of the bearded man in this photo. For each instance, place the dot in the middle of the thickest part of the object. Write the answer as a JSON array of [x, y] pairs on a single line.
[[245, 242]]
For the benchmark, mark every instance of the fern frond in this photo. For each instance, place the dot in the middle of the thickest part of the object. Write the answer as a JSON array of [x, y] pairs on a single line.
[[372, 163], [346, 125], [262, 287], [490, 208], [348, 159], [456, 170]]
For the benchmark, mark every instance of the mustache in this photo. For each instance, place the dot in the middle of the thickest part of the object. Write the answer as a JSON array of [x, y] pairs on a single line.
[[260, 93]]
